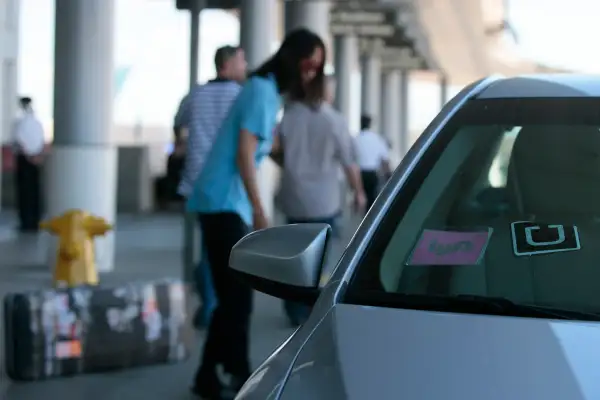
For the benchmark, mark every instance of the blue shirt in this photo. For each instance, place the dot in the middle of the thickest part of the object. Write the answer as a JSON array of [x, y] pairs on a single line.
[[219, 187]]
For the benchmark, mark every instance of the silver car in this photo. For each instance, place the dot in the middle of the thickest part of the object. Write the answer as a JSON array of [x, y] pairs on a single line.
[[476, 274]]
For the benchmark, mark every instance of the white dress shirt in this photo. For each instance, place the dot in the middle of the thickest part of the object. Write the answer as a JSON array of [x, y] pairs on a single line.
[[371, 150], [28, 135]]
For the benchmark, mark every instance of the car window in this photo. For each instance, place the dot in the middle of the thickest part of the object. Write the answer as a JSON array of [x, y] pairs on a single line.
[[506, 203]]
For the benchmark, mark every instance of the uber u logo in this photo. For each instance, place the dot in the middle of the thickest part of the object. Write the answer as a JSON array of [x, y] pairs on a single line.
[[535, 238]]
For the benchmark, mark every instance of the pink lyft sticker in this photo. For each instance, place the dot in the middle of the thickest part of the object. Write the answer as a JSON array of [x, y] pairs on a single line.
[[449, 248]]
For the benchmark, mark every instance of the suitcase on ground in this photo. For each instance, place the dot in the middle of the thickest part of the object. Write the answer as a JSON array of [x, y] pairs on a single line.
[[62, 332]]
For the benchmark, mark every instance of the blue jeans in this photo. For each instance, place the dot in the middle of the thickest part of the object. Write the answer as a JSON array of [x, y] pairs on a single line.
[[205, 290], [298, 312]]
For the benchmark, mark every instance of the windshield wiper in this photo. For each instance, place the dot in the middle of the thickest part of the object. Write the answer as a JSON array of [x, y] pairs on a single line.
[[470, 304]]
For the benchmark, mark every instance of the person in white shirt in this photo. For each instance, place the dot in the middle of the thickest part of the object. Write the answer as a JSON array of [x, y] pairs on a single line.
[[372, 154], [28, 146]]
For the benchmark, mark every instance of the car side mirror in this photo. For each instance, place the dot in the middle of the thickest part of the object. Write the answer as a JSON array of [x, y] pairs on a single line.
[[284, 261]]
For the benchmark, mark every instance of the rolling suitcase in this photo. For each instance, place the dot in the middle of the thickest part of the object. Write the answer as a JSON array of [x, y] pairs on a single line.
[[63, 332]]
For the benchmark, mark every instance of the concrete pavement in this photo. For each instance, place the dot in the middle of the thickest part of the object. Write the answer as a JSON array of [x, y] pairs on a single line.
[[147, 248]]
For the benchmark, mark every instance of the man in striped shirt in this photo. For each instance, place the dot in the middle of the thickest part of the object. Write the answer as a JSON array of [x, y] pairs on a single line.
[[202, 111]]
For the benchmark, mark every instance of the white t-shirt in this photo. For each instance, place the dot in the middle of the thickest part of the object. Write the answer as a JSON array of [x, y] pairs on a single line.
[[371, 150], [28, 135]]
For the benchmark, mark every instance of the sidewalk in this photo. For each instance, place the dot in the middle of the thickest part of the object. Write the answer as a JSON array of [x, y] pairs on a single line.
[[147, 248]]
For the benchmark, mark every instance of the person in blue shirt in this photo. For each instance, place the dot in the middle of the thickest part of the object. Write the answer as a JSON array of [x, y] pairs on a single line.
[[226, 197]]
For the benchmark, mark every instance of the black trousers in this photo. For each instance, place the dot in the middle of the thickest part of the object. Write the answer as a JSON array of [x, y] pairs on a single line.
[[227, 342], [370, 181], [28, 193]]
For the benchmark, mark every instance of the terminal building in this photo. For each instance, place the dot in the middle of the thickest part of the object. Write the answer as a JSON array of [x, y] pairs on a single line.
[[106, 76]]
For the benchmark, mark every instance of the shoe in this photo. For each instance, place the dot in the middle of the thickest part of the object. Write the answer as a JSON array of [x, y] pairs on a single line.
[[232, 383], [216, 385], [207, 385]]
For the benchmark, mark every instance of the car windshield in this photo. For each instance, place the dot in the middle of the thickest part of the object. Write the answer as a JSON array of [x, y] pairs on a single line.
[[505, 204]]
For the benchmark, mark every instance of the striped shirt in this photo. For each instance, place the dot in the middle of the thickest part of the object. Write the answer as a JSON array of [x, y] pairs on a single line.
[[202, 111]]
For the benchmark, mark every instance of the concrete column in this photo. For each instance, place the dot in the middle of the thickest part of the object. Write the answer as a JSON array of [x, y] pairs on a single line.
[[9, 66], [4, 98], [257, 30], [443, 90], [195, 41], [82, 169], [346, 58], [9, 56], [312, 15], [191, 240], [390, 121], [371, 88], [405, 140], [257, 35]]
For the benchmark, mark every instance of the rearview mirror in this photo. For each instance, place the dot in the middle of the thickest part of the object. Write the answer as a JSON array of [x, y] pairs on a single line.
[[284, 261]]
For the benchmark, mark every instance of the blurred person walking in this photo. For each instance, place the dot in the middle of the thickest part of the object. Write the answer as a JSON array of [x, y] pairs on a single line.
[[226, 194], [202, 112], [28, 146], [315, 143], [372, 152]]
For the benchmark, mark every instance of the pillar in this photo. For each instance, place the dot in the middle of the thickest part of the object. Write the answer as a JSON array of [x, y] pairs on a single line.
[[346, 58], [194, 41], [443, 90], [371, 88], [82, 169], [403, 89], [9, 57], [4, 99], [257, 30], [390, 120], [191, 250], [312, 15], [257, 35]]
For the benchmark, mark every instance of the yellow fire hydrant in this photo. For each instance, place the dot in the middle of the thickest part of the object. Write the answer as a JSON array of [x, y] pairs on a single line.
[[75, 261]]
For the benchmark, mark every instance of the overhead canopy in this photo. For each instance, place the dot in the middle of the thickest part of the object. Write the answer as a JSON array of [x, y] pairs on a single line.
[[466, 38]]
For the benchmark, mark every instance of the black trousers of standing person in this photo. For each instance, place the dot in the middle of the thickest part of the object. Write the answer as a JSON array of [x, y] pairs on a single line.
[[227, 342], [370, 180], [28, 193]]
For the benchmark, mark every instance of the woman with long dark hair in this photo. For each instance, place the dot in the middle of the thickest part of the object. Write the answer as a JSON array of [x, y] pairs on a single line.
[[226, 196]]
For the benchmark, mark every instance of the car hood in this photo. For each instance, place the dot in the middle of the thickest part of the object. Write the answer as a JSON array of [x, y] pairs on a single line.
[[362, 352]]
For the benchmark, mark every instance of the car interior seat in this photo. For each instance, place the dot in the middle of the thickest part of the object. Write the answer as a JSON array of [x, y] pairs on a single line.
[[455, 211], [553, 178], [431, 209]]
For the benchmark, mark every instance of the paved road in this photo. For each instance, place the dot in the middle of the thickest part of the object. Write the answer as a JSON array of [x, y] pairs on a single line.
[[147, 248]]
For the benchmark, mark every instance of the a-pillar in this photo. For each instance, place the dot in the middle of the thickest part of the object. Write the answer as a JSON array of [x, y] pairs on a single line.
[[82, 168], [346, 58], [403, 89], [257, 36], [390, 106], [371, 88], [313, 15]]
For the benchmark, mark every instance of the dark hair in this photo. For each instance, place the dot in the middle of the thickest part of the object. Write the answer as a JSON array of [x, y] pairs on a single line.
[[365, 122], [298, 45], [224, 54], [25, 102]]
